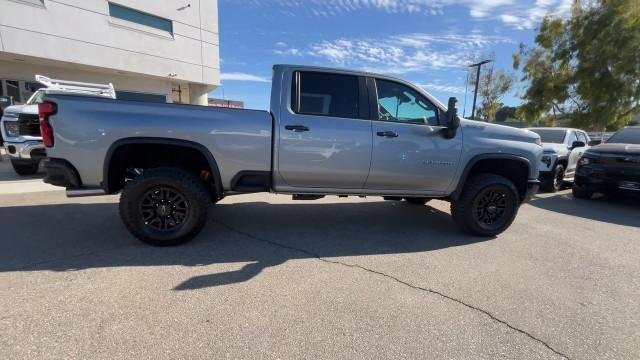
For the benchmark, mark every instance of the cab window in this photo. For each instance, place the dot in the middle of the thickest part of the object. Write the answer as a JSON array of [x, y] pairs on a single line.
[[324, 94], [397, 102]]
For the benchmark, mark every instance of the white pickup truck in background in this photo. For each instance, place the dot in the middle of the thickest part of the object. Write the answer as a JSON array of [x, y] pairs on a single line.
[[20, 125]]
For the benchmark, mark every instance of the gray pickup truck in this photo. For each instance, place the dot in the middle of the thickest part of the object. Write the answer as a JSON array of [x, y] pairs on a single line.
[[329, 132]]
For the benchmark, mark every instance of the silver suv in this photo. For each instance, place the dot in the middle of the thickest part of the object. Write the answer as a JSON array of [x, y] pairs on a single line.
[[562, 148]]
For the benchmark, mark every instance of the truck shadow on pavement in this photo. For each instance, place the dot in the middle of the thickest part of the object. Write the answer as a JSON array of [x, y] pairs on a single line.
[[70, 237], [613, 209]]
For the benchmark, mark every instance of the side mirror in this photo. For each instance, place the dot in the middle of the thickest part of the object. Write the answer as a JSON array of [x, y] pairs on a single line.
[[578, 144], [452, 121], [451, 118], [595, 142]]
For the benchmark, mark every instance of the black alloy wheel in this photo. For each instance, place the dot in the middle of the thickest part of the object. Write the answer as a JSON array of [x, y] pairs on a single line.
[[164, 208], [490, 207]]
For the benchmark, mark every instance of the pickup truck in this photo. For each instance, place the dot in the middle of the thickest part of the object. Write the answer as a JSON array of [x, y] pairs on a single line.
[[20, 125], [612, 167], [329, 132]]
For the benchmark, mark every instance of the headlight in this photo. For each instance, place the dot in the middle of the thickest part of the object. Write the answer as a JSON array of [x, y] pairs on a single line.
[[586, 161], [12, 128]]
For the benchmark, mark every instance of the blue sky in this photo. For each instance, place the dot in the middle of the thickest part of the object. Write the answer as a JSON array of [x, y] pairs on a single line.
[[428, 42]]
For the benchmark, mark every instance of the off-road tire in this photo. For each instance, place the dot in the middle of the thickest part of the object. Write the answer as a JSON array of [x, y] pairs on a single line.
[[136, 194], [25, 168], [417, 200], [555, 183], [464, 210], [581, 193]]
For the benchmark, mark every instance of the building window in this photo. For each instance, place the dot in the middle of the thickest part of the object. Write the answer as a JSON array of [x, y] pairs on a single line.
[[138, 17], [137, 96]]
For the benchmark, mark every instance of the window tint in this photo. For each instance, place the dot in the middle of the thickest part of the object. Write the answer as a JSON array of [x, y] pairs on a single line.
[[551, 135], [328, 95], [397, 102], [626, 136], [139, 17], [572, 138], [582, 137]]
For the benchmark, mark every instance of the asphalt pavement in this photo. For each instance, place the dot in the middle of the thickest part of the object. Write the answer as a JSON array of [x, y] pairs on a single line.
[[272, 278]]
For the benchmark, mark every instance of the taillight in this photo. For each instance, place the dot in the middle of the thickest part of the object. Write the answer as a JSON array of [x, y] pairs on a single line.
[[45, 110]]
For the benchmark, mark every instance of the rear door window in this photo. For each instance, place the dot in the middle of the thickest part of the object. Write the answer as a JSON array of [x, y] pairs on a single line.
[[326, 95]]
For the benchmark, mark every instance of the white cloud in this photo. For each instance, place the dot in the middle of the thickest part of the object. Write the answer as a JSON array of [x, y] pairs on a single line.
[[444, 88], [288, 52], [238, 76], [400, 54], [513, 13]]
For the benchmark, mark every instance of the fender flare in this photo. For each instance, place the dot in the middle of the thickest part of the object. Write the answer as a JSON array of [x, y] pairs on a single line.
[[474, 160], [160, 141]]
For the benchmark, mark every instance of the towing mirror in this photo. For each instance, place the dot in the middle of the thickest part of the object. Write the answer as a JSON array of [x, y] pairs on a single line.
[[452, 121]]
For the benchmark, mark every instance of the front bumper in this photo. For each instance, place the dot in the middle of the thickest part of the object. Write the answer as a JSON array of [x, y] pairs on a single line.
[[28, 150], [532, 188]]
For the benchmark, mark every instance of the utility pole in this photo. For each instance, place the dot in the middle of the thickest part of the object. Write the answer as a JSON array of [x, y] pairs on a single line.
[[475, 93]]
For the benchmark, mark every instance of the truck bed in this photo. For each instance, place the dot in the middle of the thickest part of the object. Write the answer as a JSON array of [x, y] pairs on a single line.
[[86, 128]]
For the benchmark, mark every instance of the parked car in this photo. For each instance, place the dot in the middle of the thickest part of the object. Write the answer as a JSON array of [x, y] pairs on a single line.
[[5, 102], [20, 125], [562, 147], [610, 167], [329, 132]]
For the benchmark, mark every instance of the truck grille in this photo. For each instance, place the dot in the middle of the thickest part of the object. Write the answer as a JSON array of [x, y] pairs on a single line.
[[621, 167], [29, 125]]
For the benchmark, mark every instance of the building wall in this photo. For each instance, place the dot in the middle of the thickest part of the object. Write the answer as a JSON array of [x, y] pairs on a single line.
[[80, 35]]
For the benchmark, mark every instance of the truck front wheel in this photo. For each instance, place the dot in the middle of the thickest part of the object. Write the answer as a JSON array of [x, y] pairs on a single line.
[[25, 167], [165, 206], [487, 206]]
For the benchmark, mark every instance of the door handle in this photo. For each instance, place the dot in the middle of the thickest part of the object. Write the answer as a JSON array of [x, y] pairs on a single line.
[[387, 134], [296, 128]]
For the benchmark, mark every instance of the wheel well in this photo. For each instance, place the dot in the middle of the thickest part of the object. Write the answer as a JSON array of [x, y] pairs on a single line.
[[564, 162], [126, 160], [515, 170]]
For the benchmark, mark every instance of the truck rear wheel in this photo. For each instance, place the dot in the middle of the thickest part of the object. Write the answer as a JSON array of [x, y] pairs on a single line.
[[25, 167], [165, 206], [487, 206]]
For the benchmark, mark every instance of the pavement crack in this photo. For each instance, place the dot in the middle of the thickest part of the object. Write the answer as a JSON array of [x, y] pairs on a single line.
[[400, 281]]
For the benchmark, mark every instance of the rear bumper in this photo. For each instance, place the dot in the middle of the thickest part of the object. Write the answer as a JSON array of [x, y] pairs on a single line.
[[61, 173], [532, 188], [28, 150]]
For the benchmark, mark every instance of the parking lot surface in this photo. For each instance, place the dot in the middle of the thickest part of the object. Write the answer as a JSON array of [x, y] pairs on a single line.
[[336, 278]]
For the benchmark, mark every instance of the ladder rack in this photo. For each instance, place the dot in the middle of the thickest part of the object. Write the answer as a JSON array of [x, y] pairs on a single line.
[[76, 87]]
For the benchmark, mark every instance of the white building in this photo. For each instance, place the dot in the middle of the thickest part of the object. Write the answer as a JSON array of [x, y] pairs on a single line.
[[158, 50]]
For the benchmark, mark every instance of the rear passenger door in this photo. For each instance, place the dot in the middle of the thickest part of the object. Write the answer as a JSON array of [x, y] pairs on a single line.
[[324, 136]]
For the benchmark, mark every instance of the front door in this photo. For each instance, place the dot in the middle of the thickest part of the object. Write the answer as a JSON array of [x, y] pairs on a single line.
[[325, 139], [575, 153], [409, 152]]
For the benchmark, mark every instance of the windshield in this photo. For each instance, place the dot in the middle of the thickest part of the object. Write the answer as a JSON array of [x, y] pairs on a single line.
[[36, 98], [551, 135], [625, 136]]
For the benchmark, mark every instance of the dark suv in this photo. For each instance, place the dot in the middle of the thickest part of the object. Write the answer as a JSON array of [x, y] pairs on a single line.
[[610, 167]]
